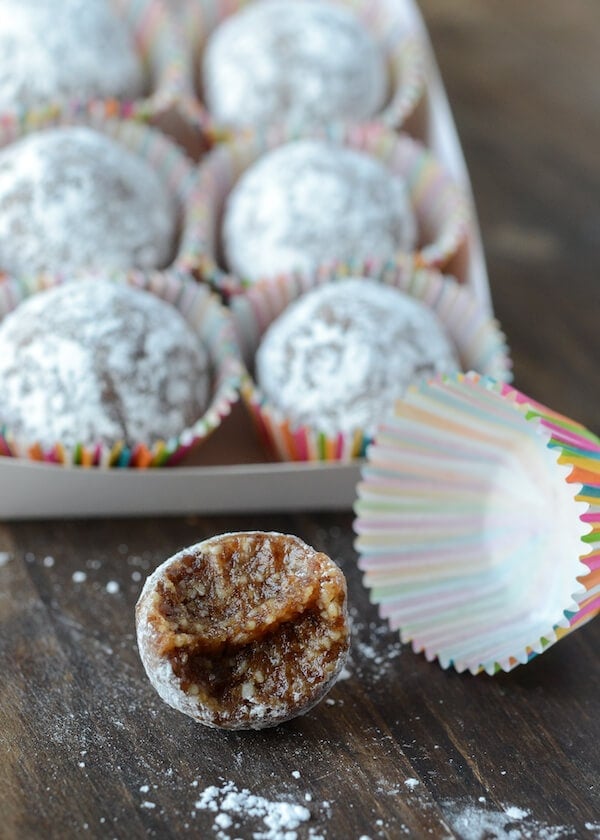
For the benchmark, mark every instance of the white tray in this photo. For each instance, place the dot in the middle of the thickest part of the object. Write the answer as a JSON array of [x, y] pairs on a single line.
[[229, 473]]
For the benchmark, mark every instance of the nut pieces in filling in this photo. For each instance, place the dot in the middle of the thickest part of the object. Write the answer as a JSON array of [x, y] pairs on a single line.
[[244, 630]]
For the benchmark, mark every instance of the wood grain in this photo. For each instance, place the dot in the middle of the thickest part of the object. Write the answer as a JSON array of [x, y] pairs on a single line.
[[74, 693], [84, 740]]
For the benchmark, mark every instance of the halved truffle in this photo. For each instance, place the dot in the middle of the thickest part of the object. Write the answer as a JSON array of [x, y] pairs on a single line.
[[244, 630]]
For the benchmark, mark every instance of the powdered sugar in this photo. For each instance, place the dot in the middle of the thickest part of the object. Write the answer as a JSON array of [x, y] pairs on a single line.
[[257, 70], [74, 198], [56, 50], [233, 806], [310, 202], [338, 357], [96, 362], [472, 822]]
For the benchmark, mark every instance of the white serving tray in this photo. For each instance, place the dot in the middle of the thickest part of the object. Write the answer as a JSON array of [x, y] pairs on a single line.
[[229, 472]]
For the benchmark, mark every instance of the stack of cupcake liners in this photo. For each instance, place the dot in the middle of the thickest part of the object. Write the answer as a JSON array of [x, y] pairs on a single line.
[[478, 523]]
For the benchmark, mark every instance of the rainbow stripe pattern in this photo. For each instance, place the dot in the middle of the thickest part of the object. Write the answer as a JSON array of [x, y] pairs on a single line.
[[478, 523], [477, 337]]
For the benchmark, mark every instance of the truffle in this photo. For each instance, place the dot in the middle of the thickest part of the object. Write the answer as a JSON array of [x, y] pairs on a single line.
[[338, 357], [300, 62], [73, 198], [311, 202], [244, 630], [94, 362], [54, 51]]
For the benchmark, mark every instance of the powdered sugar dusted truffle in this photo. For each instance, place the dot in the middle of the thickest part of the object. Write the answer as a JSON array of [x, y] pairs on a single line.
[[310, 202], [63, 50], [95, 362], [73, 198], [338, 357], [304, 61], [244, 630]]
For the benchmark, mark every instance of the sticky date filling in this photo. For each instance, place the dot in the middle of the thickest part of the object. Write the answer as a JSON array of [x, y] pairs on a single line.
[[253, 627]]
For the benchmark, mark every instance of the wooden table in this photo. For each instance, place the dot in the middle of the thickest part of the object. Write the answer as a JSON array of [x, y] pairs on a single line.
[[88, 749]]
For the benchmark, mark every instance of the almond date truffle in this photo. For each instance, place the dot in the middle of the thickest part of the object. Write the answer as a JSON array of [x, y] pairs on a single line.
[[53, 51], [338, 357], [244, 630], [94, 362], [310, 202], [305, 62], [74, 198]]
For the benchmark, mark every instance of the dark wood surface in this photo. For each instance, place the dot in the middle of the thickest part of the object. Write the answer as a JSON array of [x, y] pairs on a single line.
[[82, 733]]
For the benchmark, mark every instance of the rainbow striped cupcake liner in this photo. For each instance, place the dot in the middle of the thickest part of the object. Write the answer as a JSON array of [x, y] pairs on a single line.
[[203, 310], [441, 206], [385, 19], [477, 337], [165, 158], [478, 524], [160, 49]]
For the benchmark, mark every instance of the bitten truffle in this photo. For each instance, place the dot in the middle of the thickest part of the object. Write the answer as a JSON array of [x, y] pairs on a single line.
[[310, 202], [72, 49], [92, 362], [338, 357], [244, 630], [74, 198], [304, 62]]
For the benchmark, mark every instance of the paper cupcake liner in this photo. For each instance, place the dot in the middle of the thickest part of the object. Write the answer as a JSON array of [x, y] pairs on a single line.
[[386, 20], [166, 159], [477, 338], [479, 523], [211, 321], [441, 206], [160, 49]]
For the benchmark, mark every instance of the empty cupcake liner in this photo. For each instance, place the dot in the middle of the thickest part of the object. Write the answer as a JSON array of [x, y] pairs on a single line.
[[479, 523], [477, 338], [165, 157], [385, 19], [211, 321], [441, 206], [160, 49]]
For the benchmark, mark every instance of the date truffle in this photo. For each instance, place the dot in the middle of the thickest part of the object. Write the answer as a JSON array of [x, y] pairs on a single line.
[[92, 362], [284, 60], [54, 51], [338, 357], [244, 630], [73, 198], [310, 202]]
